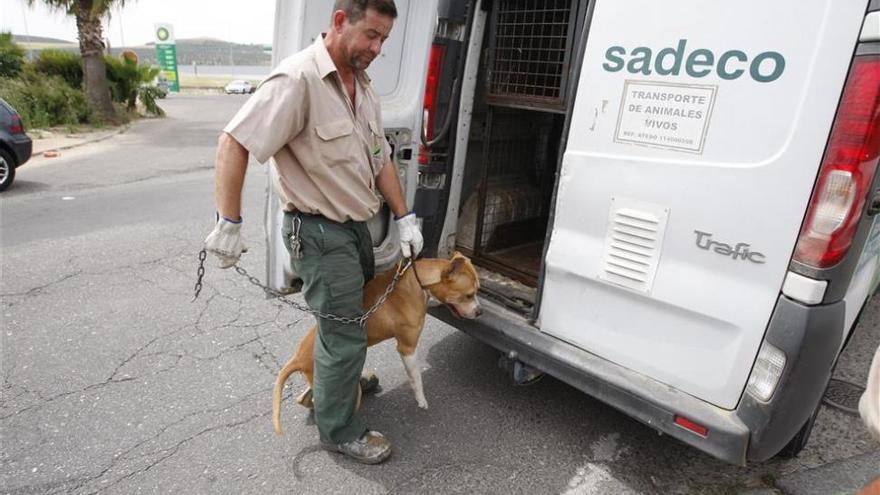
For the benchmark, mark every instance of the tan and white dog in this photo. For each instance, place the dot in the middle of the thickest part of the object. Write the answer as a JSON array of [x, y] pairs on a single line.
[[453, 282]]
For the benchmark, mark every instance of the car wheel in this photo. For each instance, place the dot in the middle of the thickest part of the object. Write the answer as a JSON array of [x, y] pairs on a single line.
[[7, 170], [799, 441]]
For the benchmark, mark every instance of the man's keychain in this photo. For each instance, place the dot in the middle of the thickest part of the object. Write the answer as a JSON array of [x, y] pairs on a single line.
[[295, 246]]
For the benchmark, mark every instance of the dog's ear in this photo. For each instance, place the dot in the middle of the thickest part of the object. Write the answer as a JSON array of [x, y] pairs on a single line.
[[457, 264]]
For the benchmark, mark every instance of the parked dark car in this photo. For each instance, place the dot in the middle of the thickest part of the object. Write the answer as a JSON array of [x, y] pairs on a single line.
[[15, 145]]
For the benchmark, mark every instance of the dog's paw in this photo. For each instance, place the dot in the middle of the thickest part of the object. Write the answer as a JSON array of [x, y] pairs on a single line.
[[369, 383], [422, 403], [306, 398]]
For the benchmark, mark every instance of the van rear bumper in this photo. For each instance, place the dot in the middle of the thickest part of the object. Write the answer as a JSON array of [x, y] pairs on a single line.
[[754, 431], [639, 396], [810, 337]]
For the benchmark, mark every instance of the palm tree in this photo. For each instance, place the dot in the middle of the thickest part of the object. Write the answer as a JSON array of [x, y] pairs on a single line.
[[88, 15]]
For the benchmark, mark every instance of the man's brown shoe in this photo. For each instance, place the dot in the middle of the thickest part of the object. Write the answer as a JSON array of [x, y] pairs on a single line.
[[371, 448]]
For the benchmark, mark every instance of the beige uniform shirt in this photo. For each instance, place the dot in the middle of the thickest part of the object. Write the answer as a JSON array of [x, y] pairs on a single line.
[[327, 153], [869, 404]]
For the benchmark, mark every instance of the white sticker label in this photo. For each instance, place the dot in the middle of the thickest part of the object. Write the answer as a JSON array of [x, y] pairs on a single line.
[[669, 116]]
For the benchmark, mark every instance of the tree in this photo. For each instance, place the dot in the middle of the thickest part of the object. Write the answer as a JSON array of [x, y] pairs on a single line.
[[88, 15], [11, 56]]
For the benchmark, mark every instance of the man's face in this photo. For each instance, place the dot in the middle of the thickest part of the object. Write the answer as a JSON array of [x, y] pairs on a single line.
[[362, 41]]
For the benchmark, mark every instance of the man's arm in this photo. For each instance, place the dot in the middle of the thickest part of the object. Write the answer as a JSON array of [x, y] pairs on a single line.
[[229, 171], [408, 228], [389, 186]]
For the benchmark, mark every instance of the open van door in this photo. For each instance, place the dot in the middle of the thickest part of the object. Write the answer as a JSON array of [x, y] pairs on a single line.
[[398, 79], [695, 141]]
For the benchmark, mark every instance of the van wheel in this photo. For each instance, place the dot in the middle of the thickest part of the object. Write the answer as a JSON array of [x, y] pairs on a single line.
[[7, 170], [799, 441]]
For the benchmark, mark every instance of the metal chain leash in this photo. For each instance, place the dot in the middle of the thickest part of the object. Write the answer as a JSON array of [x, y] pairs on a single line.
[[200, 274], [361, 320]]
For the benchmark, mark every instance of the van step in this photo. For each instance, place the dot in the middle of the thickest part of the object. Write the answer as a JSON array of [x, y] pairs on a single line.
[[511, 293], [843, 395]]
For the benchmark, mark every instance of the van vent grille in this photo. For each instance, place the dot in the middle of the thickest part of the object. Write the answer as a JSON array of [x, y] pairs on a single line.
[[531, 50], [632, 244]]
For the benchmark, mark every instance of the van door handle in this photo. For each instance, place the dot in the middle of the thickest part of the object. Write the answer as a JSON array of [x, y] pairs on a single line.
[[874, 206]]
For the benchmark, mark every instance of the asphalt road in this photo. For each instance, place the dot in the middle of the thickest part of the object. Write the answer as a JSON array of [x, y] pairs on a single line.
[[114, 382]]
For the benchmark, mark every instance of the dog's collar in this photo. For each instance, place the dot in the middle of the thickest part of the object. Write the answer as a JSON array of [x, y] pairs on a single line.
[[416, 273], [425, 289], [410, 263]]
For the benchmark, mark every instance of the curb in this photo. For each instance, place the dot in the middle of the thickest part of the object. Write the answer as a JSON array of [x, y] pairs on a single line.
[[116, 132]]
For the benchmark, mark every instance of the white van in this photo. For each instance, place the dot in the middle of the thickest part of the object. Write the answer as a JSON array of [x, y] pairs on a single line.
[[672, 205]]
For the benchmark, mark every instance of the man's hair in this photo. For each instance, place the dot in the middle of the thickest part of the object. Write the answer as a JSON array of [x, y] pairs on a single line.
[[355, 10]]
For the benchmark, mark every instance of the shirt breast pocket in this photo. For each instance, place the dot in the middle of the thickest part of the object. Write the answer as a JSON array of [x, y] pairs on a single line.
[[337, 144], [377, 148]]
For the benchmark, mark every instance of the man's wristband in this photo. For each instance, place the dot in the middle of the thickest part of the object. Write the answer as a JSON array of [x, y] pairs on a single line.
[[229, 220]]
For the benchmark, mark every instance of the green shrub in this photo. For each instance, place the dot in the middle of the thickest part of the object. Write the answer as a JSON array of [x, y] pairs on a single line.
[[11, 56], [45, 101], [123, 78], [49, 91], [148, 95], [126, 79], [64, 64]]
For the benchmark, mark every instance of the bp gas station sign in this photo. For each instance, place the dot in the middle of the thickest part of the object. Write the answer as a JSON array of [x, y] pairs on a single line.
[[166, 54]]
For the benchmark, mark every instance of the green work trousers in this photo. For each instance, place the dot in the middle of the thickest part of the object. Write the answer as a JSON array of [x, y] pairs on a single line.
[[336, 262]]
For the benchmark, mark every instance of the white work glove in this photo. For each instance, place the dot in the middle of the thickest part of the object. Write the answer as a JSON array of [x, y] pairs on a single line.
[[410, 236], [869, 405], [225, 242]]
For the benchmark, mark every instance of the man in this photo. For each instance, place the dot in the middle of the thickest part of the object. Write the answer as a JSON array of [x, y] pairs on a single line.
[[869, 408], [869, 405], [319, 118]]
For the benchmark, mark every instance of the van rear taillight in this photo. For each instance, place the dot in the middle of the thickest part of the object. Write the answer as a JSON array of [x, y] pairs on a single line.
[[16, 127], [847, 171], [435, 65]]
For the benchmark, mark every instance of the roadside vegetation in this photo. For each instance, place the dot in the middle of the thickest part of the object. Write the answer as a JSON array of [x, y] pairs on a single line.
[[49, 91], [88, 15]]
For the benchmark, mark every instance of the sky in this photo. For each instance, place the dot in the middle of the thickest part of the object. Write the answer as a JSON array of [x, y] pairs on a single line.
[[248, 21]]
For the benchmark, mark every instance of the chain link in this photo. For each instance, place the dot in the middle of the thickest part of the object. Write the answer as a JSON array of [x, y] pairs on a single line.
[[200, 274], [361, 320]]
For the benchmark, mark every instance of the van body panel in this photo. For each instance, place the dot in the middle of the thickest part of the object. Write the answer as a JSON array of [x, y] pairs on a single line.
[[735, 175], [397, 76]]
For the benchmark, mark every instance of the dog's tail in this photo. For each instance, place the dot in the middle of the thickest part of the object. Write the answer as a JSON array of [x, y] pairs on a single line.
[[291, 367]]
